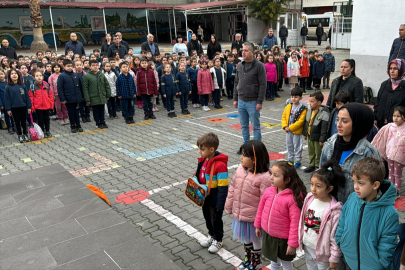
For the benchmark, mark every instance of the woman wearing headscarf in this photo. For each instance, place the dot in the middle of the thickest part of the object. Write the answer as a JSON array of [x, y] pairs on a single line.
[[194, 45], [347, 82], [391, 93], [349, 145], [213, 47]]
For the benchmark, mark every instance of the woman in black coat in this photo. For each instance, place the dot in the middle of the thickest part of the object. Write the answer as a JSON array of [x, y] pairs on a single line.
[[194, 45], [347, 82], [106, 43], [391, 93], [213, 47]]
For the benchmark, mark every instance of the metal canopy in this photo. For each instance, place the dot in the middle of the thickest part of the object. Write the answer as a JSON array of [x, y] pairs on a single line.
[[217, 9]]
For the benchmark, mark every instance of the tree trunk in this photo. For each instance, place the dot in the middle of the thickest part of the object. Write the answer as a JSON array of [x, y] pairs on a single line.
[[38, 44], [36, 20]]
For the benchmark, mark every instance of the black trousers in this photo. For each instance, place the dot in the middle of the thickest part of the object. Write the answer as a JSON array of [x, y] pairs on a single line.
[[303, 83], [326, 78], [73, 113], [98, 113], [213, 220], [20, 119], [319, 39], [43, 119]]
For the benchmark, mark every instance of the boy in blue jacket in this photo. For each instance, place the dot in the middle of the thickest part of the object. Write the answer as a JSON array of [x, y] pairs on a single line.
[[215, 163], [329, 66], [183, 87], [366, 233], [318, 72], [126, 93]]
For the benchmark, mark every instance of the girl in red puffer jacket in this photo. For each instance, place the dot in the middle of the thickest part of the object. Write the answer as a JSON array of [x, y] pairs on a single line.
[[42, 101], [279, 214], [249, 182]]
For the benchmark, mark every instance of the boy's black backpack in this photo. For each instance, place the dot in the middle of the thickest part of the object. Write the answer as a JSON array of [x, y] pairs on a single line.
[[367, 95]]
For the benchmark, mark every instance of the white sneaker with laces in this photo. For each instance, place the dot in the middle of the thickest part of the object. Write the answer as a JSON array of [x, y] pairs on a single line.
[[215, 246], [208, 108], [207, 242]]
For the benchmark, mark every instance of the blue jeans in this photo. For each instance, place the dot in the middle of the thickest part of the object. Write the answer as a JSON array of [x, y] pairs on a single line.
[[204, 99], [247, 110], [127, 107], [283, 40]]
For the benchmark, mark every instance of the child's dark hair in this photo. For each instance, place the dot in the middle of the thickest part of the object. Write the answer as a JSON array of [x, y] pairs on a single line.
[[67, 62], [57, 65], [40, 72], [40, 65], [294, 181], [328, 48], [256, 150], [296, 91], [332, 175], [371, 167], [315, 51], [10, 81], [208, 140], [123, 63], [311, 52], [144, 60], [93, 62], [342, 96], [317, 95], [400, 110]]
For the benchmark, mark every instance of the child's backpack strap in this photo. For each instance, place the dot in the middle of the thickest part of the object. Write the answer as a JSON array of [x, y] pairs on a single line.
[[32, 88], [211, 175]]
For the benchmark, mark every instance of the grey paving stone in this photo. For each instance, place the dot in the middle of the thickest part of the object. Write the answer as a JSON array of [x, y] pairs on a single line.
[[7, 201], [159, 261], [71, 211], [34, 207], [74, 196], [99, 261], [14, 227], [92, 243], [14, 188], [100, 220], [37, 259], [48, 190], [20, 244]]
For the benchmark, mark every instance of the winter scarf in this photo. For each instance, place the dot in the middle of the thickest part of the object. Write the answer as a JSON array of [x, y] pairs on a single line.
[[362, 122]]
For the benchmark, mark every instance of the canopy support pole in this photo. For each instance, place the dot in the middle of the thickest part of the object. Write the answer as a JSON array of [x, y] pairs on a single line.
[[105, 24], [170, 26], [53, 29], [156, 32], [175, 27], [185, 15], [147, 20]]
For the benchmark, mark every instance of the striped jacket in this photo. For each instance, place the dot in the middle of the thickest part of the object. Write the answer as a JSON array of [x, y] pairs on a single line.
[[220, 182], [125, 86]]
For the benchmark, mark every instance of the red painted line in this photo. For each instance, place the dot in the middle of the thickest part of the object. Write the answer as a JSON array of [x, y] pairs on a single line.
[[131, 197]]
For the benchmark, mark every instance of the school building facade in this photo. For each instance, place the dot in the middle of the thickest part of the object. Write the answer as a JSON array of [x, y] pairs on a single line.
[[92, 20]]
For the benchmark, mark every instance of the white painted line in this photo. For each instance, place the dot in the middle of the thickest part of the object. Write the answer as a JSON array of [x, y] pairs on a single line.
[[112, 259], [272, 131], [188, 121], [270, 118], [285, 152], [212, 116], [189, 230]]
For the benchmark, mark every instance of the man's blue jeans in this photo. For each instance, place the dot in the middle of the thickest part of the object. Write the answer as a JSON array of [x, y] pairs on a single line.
[[247, 110]]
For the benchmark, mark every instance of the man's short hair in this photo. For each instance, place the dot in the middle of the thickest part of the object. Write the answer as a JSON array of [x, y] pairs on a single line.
[[371, 167], [208, 140], [296, 92], [342, 96], [270, 29], [250, 45], [123, 63], [67, 62], [317, 95], [238, 34]]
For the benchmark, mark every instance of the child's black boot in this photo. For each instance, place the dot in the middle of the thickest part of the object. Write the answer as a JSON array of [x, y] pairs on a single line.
[[248, 257], [256, 262]]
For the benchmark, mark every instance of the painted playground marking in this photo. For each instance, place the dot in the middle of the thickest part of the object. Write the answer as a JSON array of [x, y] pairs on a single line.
[[105, 164]]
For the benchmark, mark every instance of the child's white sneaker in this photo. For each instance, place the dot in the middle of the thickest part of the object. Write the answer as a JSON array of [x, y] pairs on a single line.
[[208, 108], [207, 242], [215, 246]]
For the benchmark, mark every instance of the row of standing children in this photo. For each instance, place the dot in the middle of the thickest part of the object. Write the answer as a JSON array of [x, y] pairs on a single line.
[[274, 215]]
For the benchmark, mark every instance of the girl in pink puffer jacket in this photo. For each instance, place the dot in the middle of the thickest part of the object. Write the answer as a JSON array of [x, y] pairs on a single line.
[[279, 215], [320, 218], [249, 182]]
